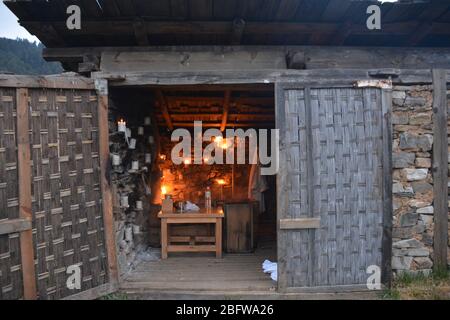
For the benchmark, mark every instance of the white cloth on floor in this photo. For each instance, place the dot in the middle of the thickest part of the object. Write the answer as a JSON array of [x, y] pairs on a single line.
[[272, 268]]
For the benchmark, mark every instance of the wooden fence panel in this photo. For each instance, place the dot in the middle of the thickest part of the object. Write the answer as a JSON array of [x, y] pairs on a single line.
[[66, 190], [11, 284]]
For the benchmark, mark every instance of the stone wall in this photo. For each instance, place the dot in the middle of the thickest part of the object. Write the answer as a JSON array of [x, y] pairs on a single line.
[[413, 181]]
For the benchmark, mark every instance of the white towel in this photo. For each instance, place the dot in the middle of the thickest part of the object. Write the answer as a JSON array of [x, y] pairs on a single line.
[[272, 268]]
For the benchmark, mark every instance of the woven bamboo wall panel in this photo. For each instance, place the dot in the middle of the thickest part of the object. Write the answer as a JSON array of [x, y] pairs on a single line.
[[334, 141], [11, 285], [66, 192]]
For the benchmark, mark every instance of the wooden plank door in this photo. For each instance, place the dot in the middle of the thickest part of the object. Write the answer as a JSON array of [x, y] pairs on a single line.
[[330, 186], [55, 208]]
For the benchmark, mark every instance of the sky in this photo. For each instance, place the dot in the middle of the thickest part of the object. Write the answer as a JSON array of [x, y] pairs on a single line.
[[9, 27]]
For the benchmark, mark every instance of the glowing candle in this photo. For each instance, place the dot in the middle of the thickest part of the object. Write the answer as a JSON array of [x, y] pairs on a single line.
[[187, 161], [122, 126]]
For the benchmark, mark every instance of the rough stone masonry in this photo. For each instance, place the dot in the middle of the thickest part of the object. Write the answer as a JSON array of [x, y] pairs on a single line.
[[413, 223]]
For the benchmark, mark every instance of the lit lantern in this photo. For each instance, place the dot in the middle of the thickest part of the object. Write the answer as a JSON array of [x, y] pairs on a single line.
[[122, 126]]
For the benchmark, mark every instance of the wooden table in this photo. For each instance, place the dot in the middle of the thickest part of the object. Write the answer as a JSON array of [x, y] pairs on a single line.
[[202, 217]]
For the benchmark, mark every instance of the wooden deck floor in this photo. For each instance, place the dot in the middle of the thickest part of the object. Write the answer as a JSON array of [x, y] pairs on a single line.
[[203, 272]]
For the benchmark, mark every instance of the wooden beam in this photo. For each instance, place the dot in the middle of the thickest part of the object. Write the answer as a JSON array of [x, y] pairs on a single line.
[[47, 82], [125, 27], [440, 169], [218, 125], [25, 206], [107, 204], [301, 223], [386, 242], [226, 110], [256, 101], [260, 80], [315, 57], [14, 226], [164, 109]]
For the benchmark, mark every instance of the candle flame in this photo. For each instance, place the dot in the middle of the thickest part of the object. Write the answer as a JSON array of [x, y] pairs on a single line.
[[164, 190], [221, 181]]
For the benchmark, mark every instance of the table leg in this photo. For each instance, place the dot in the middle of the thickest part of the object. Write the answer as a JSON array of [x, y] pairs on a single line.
[[218, 238], [164, 239]]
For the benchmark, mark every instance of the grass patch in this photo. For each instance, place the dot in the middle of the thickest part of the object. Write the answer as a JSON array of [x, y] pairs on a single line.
[[420, 286], [115, 296]]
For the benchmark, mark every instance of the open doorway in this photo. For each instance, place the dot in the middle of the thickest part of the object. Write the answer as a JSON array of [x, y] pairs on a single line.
[[246, 198]]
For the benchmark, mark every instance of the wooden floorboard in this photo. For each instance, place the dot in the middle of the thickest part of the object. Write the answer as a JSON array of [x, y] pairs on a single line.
[[200, 272]]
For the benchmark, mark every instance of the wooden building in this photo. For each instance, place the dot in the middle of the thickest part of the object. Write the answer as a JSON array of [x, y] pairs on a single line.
[[363, 155]]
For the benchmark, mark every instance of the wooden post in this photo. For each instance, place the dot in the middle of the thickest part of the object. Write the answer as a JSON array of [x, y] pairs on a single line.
[[108, 217], [218, 238], [164, 238], [386, 256], [25, 208], [440, 169]]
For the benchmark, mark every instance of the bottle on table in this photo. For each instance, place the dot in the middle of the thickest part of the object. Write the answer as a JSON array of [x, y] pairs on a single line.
[[208, 199]]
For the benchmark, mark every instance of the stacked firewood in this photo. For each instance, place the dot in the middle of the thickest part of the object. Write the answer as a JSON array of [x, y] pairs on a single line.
[[131, 149]]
